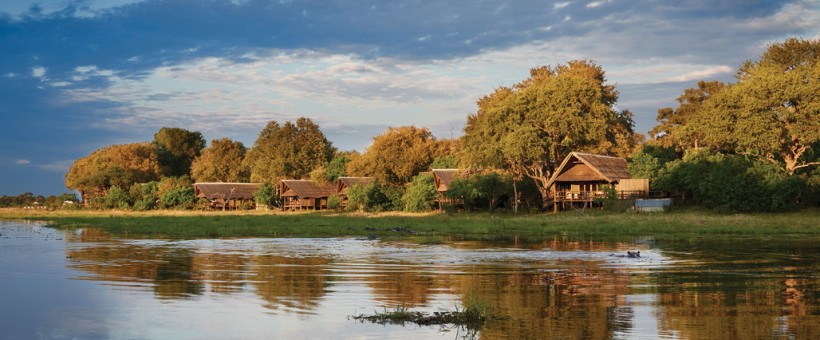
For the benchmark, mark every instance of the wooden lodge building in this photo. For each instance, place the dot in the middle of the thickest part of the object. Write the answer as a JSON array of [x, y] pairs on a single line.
[[304, 194], [226, 196], [583, 177], [443, 178]]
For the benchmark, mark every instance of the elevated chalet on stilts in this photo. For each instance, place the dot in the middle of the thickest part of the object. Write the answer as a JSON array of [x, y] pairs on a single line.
[[583, 177]]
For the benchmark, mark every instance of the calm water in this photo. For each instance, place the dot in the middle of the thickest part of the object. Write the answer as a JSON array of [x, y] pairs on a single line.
[[86, 285]]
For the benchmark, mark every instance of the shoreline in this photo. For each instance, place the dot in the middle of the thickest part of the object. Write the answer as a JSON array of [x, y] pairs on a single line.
[[573, 225]]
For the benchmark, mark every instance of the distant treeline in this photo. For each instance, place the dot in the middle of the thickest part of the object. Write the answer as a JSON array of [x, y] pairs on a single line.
[[30, 200], [752, 145]]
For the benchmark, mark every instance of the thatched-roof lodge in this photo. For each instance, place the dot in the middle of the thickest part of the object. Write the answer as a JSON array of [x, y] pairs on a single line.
[[226, 195], [582, 177], [304, 194], [443, 178], [343, 184]]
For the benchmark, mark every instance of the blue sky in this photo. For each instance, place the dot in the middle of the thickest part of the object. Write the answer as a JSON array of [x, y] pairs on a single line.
[[79, 75]]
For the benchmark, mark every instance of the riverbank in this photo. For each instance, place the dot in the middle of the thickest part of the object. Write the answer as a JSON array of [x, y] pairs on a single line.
[[679, 225]]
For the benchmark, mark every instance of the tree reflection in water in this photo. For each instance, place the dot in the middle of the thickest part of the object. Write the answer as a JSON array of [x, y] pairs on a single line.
[[699, 293]]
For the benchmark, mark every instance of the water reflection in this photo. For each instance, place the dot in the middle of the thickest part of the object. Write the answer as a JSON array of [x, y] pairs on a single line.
[[550, 289]]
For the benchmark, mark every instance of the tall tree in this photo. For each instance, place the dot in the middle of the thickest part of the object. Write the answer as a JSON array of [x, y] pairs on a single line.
[[223, 161], [397, 155], [288, 151], [773, 111], [529, 127], [116, 165], [675, 128], [176, 148]]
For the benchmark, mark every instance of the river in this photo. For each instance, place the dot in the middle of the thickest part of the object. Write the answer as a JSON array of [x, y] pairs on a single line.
[[85, 284]]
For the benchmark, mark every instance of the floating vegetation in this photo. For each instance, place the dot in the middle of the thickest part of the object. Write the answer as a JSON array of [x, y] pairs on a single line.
[[473, 315]]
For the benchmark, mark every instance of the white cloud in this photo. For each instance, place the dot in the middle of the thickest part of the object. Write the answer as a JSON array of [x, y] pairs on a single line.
[[595, 4], [710, 72], [38, 72], [22, 162], [560, 5]]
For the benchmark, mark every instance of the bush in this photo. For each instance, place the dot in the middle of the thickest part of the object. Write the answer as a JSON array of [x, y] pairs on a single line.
[[731, 183], [421, 194], [116, 198], [265, 195], [373, 197], [334, 202], [179, 198]]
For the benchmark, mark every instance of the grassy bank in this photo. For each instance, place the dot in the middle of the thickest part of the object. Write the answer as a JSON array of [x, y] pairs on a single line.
[[568, 225]]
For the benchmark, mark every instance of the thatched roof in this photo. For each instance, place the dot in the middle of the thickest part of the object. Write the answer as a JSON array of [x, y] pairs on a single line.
[[215, 190], [582, 167], [443, 178], [344, 183], [304, 189]]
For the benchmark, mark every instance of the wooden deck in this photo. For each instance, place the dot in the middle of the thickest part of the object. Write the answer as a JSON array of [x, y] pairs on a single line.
[[582, 199]]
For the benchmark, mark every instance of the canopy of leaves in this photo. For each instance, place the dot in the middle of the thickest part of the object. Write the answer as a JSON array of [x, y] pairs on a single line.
[[223, 161], [675, 128], [288, 151], [421, 194], [176, 148], [536, 123], [397, 155], [772, 112], [117, 165], [731, 183]]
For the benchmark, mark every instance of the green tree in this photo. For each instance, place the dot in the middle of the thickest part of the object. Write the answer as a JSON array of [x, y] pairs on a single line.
[[396, 156], [176, 148], [337, 166], [534, 124], [117, 198], [421, 194], [677, 127], [266, 196], [117, 165], [774, 109], [288, 151], [223, 161], [374, 197]]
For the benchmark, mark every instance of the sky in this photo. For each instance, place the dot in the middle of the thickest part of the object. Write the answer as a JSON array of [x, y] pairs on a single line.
[[78, 75]]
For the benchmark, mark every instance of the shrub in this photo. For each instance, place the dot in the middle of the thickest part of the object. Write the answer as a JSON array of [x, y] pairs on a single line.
[[420, 194], [179, 198], [265, 195], [117, 198], [731, 183], [373, 197], [334, 202]]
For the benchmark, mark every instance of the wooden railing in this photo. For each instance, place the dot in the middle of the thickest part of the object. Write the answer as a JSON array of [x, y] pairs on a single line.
[[581, 196]]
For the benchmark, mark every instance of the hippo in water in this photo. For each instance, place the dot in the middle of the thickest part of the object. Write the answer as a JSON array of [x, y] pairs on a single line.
[[629, 254]]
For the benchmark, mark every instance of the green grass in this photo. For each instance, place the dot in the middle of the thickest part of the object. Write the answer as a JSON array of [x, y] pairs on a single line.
[[472, 316], [434, 227]]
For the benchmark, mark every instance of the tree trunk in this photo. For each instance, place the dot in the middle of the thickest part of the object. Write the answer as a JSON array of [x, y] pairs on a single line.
[[515, 197]]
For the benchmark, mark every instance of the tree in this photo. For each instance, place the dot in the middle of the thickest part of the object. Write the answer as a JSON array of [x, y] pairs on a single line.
[[677, 127], [396, 155], [288, 151], [117, 165], [421, 194], [774, 109], [176, 148], [223, 161], [526, 129]]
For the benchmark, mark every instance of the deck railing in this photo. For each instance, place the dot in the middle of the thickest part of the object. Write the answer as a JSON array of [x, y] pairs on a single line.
[[581, 196]]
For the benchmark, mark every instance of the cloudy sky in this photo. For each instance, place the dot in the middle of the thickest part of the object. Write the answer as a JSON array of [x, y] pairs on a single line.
[[79, 75]]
